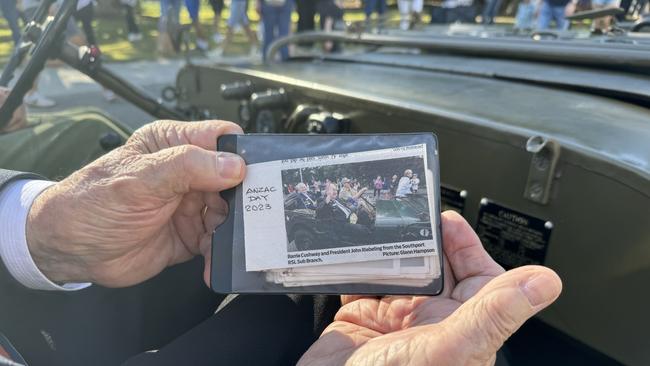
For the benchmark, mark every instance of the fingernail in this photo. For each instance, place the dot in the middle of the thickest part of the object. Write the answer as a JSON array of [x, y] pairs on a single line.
[[540, 289], [229, 165]]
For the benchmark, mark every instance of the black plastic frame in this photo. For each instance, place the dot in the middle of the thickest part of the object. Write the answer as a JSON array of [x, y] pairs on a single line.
[[228, 262]]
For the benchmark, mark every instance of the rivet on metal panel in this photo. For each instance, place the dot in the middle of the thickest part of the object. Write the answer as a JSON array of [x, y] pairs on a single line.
[[463, 194], [542, 168], [484, 201], [548, 225]]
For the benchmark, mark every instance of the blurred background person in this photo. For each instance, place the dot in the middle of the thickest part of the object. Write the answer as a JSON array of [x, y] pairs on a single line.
[[217, 8], [379, 185], [462, 11], [552, 10], [306, 10], [85, 14], [239, 17], [169, 18], [603, 24], [370, 6], [415, 183], [34, 98], [132, 28], [410, 13], [331, 18], [276, 15], [392, 185], [490, 11], [525, 16], [404, 185], [10, 13], [193, 8]]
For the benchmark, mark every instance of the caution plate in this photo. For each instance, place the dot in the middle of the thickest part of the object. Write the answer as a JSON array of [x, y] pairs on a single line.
[[511, 237]]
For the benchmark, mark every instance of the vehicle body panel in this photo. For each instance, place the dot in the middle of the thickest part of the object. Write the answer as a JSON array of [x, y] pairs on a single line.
[[599, 200]]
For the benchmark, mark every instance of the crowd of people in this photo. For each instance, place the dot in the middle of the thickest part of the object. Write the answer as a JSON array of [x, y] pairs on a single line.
[[350, 190], [275, 21]]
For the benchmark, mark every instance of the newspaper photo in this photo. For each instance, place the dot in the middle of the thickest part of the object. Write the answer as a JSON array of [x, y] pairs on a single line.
[[341, 208]]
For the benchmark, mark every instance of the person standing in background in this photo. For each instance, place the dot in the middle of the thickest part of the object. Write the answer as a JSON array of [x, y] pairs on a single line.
[[393, 185], [379, 184], [404, 185], [217, 8], [415, 184], [410, 13], [525, 17], [370, 6], [34, 98], [10, 12], [603, 24], [331, 18], [276, 15], [306, 11], [550, 10], [490, 11], [169, 19], [132, 28], [239, 17], [193, 7], [86, 14]]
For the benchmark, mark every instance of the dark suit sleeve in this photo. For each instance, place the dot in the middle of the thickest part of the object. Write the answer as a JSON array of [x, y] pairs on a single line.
[[7, 176]]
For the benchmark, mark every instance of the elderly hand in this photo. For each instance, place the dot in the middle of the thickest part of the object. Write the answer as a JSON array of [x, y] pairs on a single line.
[[145, 206], [479, 309]]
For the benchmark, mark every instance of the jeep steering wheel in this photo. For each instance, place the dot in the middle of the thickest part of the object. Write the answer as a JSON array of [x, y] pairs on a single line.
[[49, 39]]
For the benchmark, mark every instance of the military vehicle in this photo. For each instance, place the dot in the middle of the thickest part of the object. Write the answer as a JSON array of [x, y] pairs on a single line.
[[387, 221], [544, 148]]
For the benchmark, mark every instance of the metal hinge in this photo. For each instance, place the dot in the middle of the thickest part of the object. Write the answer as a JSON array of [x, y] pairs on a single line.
[[542, 168]]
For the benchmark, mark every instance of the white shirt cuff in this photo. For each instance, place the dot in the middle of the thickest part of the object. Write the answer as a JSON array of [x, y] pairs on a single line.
[[15, 202]]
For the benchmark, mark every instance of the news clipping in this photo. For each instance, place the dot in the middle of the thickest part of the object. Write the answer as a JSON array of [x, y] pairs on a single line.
[[362, 217]]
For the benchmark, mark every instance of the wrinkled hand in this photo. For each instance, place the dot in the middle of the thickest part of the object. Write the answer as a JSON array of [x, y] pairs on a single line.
[[142, 207], [479, 309]]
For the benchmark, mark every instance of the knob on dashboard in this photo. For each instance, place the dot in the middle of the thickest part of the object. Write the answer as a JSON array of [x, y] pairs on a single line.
[[325, 122], [239, 90], [313, 119], [270, 99]]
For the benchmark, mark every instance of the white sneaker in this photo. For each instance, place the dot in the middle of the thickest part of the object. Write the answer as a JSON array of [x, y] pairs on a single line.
[[134, 37], [217, 38], [37, 100]]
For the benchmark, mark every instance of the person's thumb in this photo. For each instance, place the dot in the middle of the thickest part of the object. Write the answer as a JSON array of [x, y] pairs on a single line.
[[187, 167], [491, 316]]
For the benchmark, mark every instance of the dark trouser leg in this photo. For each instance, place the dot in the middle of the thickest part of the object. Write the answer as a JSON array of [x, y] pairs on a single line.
[[284, 23], [11, 14], [306, 11], [85, 16], [250, 330], [625, 5], [491, 10], [131, 25]]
